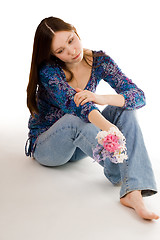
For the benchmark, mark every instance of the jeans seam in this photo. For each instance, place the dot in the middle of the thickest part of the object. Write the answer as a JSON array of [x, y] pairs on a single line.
[[125, 180]]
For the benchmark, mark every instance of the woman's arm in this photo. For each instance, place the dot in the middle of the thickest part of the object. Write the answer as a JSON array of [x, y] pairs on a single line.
[[95, 116], [112, 74], [114, 100], [83, 96], [99, 121], [129, 96]]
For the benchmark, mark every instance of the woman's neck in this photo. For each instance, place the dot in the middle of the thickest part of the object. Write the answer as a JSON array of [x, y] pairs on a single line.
[[75, 66]]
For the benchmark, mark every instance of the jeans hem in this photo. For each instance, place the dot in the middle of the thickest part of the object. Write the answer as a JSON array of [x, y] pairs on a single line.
[[146, 192]]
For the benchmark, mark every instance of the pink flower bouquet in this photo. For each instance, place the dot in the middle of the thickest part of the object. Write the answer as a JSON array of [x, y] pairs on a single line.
[[112, 145]]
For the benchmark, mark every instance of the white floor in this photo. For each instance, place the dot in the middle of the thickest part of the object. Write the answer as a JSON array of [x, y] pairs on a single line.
[[72, 202]]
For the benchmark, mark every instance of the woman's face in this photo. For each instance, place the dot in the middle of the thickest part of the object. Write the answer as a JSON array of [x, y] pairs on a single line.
[[67, 47]]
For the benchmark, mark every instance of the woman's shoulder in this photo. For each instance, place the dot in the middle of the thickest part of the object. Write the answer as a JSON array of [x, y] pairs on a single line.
[[95, 52], [101, 53], [100, 58]]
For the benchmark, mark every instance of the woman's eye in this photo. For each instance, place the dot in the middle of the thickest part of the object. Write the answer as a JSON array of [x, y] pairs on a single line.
[[60, 51], [70, 41]]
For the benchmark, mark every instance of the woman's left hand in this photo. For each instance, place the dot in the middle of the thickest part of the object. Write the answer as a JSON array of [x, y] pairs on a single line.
[[84, 96]]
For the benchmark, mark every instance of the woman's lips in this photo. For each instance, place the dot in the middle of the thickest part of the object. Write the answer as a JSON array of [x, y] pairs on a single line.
[[77, 56]]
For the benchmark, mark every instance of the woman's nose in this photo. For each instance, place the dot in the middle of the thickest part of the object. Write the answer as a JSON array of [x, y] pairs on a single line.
[[72, 51]]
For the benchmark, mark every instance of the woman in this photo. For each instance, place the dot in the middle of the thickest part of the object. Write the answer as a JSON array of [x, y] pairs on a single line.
[[64, 119]]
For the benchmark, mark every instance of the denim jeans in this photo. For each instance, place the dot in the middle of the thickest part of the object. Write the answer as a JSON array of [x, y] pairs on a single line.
[[71, 139]]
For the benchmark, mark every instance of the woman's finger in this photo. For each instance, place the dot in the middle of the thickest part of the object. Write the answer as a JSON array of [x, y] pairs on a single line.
[[78, 90], [80, 99]]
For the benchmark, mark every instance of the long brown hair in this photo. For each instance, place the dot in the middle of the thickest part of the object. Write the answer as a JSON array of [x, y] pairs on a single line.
[[42, 53]]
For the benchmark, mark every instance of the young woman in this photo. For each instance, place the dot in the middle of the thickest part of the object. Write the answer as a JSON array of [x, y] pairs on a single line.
[[64, 119]]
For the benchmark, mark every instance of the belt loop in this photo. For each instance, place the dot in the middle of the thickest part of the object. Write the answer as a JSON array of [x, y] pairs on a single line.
[[28, 147]]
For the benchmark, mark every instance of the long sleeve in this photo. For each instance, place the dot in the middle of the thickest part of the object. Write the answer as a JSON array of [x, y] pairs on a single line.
[[111, 73], [61, 94]]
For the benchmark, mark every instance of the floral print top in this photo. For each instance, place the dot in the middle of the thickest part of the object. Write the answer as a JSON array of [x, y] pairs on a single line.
[[55, 97]]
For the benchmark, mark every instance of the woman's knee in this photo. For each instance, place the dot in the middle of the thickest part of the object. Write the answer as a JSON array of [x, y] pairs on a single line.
[[69, 118], [112, 113], [116, 114], [129, 115], [49, 161], [50, 153]]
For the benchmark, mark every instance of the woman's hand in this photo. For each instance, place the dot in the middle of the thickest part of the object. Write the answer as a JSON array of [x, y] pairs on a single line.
[[84, 96]]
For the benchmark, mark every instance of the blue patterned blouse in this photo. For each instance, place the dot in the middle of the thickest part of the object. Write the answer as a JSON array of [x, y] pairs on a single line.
[[55, 97]]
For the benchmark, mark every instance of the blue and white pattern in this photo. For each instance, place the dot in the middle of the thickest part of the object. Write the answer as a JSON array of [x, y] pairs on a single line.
[[56, 97]]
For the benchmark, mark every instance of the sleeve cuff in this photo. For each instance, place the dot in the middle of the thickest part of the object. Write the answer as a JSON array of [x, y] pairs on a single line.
[[133, 100], [87, 108]]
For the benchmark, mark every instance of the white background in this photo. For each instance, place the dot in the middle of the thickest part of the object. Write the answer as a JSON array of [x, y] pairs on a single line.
[[128, 30], [74, 201]]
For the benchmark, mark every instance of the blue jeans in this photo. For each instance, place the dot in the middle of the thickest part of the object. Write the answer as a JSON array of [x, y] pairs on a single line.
[[71, 139]]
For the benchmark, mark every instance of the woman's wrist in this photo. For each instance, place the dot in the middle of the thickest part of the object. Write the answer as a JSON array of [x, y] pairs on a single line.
[[99, 121]]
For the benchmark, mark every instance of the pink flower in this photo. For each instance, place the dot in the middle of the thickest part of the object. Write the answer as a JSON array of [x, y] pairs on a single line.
[[111, 143]]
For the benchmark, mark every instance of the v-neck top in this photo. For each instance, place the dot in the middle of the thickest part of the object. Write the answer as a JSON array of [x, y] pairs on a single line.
[[55, 97]]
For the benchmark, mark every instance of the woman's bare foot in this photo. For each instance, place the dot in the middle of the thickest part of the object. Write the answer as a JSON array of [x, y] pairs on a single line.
[[134, 200]]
